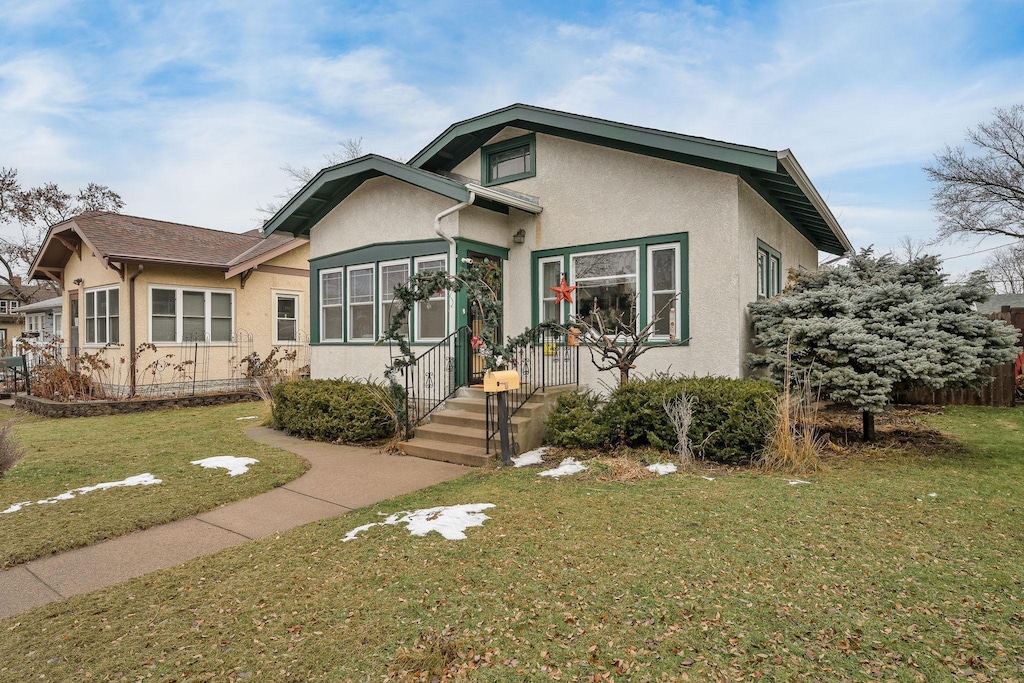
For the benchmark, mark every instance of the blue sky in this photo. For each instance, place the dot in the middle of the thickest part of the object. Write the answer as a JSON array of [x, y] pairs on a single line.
[[189, 109]]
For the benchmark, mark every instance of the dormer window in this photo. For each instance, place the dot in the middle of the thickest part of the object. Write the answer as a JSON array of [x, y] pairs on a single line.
[[509, 160]]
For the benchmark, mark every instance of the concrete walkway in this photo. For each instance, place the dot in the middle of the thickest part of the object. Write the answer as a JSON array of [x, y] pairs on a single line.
[[340, 478]]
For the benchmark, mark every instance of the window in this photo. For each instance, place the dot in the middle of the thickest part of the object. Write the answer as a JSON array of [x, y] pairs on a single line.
[[663, 290], [769, 271], [178, 315], [509, 160], [360, 303], [606, 288], [102, 316], [331, 305], [550, 275], [14, 306], [392, 274], [431, 315], [286, 314], [3, 305], [620, 286]]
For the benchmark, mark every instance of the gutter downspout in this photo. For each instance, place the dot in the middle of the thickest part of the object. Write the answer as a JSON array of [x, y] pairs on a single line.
[[131, 331], [452, 256]]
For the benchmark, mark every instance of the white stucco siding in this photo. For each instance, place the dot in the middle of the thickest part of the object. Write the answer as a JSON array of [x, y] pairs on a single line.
[[758, 220], [380, 210], [350, 360]]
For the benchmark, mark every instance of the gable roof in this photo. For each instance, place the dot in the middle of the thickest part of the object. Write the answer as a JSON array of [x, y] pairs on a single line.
[[775, 175], [121, 238], [332, 185], [51, 304]]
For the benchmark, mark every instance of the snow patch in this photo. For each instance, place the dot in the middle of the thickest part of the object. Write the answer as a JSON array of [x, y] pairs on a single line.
[[568, 466], [662, 468], [450, 521], [794, 482], [233, 464], [533, 457], [145, 479], [250, 417], [704, 476]]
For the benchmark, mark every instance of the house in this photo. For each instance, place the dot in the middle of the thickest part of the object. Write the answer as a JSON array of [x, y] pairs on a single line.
[[624, 213], [13, 296], [193, 302], [43, 319]]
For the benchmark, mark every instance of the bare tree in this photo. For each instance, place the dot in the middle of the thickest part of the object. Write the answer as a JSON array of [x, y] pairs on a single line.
[[982, 193], [1005, 269], [907, 249], [615, 342], [31, 212], [298, 176]]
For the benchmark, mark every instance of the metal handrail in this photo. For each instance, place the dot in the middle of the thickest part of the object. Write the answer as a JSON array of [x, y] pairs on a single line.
[[547, 360], [434, 377]]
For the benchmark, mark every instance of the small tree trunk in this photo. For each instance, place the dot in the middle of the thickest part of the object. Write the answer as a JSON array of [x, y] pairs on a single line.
[[869, 426], [623, 376]]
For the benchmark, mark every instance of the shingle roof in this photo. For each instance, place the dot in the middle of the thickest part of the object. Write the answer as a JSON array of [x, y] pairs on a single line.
[[996, 302], [118, 237]]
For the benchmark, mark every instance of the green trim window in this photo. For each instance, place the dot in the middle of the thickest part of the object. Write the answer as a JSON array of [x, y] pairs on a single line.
[[509, 160], [622, 284], [361, 303], [431, 315], [332, 304], [102, 320], [179, 314], [355, 295], [769, 271]]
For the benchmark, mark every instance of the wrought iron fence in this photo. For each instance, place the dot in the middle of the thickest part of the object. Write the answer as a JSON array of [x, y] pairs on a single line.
[[547, 360], [434, 377]]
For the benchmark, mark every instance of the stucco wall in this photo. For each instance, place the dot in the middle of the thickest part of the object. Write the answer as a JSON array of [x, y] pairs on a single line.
[[254, 314]]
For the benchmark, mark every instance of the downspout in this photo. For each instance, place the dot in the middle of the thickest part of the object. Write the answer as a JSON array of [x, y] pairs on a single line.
[[452, 256], [132, 355]]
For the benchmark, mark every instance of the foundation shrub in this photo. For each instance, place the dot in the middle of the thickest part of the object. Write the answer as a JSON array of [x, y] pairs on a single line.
[[732, 418], [335, 410], [576, 421]]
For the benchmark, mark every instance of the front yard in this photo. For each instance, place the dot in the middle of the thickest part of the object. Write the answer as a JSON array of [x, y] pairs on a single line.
[[67, 454], [890, 565]]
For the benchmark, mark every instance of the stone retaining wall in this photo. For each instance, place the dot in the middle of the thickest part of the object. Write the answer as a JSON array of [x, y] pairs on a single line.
[[48, 408]]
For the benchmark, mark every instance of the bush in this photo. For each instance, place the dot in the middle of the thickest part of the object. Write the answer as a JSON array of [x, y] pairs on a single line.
[[10, 451], [335, 410], [731, 418], [576, 421]]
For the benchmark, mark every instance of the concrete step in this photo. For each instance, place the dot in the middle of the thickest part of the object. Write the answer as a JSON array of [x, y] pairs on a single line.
[[463, 418], [460, 454], [448, 433], [471, 404]]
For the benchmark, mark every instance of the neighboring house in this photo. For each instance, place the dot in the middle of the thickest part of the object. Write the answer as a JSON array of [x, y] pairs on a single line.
[[623, 212], [43, 319], [996, 302], [196, 295], [13, 297]]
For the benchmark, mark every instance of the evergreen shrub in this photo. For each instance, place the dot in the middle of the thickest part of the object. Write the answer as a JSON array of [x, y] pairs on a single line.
[[732, 419], [334, 410]]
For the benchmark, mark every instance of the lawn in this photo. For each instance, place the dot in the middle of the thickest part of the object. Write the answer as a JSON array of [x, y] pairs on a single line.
[[67, 454], [888, 566]]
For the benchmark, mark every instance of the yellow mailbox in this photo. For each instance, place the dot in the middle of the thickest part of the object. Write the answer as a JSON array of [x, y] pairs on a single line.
[[501, 380]]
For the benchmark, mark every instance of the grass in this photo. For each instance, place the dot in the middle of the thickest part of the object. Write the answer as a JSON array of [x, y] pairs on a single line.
[[71, 453], [861, 575]]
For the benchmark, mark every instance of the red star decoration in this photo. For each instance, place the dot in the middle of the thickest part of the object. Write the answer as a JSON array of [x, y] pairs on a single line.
[[563, 292]]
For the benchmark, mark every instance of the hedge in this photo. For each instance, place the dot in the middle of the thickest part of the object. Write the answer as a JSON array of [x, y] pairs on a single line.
[[335, 410], [731, 418]]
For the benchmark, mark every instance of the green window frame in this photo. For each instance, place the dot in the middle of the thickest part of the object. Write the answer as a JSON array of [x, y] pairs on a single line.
[[645, 250], [508, 160], [769, 271]]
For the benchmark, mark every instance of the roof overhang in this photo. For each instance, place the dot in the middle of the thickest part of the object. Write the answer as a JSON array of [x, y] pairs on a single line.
[[62, 240], [774, 175], [249, 264]]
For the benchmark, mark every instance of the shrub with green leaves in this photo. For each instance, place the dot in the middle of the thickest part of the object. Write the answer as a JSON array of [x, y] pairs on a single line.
[[576, 421], [335, 410], [731, 418]]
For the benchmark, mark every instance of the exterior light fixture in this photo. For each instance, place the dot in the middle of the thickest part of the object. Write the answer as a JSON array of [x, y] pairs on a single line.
[[519, 237]]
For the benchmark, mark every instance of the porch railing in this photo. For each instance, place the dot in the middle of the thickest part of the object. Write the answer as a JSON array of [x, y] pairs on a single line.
[[434, 377], [546, 361]]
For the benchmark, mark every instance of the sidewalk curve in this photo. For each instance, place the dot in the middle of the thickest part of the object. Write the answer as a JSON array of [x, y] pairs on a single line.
[[340, 478]]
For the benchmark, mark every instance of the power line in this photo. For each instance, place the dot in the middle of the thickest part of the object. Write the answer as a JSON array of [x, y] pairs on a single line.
[[980, 251]]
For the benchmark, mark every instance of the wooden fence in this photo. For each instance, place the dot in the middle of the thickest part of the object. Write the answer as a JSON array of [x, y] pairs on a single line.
[[1002, 391]]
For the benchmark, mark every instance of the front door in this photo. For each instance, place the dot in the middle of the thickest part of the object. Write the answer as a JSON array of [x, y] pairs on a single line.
[[477, 366], [73, 309]]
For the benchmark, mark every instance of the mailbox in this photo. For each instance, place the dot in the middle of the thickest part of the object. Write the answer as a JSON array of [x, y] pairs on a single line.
[[501, 380]]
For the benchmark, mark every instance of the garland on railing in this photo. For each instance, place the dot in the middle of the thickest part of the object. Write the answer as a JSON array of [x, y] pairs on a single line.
[[481, 282]]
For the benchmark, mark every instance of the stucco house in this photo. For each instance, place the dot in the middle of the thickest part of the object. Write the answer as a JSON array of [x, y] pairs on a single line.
[[551, 192], [191, 295], [624, 213]]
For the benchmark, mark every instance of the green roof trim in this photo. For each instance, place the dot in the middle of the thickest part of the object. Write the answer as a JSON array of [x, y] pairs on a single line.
[[774, 175], [332, 185]]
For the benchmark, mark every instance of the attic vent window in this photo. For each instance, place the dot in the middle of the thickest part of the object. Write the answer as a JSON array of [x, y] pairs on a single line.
[[509, 160]]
